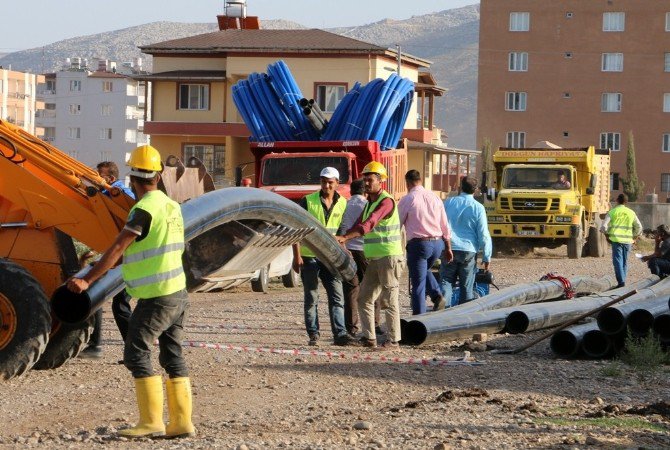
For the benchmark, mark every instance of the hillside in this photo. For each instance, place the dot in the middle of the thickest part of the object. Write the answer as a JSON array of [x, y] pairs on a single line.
[[448, 38]]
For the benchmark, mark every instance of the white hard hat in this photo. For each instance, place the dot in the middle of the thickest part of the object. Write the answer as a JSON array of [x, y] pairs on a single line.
[[330, 172]]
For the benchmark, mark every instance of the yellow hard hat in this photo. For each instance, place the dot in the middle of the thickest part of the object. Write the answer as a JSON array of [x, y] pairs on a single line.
[[376, 167], [145, 158]]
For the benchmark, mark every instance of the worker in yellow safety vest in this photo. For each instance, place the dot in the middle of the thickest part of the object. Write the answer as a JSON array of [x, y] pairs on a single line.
[[151, 244], [379, 225], [622, 227]]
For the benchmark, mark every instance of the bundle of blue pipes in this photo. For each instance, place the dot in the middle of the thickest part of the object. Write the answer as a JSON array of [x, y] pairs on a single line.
[[270, 107]]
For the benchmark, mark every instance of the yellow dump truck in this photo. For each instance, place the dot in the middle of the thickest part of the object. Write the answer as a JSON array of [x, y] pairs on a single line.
[[548, 197]]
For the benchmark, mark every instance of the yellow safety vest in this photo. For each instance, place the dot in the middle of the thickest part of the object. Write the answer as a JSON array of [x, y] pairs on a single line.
[[384, 239], [315, 208], [621, 225], [152, 267]]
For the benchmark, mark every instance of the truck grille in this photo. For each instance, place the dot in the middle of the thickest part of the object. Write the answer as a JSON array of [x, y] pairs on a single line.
[[529, 219]]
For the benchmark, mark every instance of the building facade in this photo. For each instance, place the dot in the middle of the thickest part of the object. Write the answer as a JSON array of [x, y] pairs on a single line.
[[18, 101], [579, 73], [93, 116]]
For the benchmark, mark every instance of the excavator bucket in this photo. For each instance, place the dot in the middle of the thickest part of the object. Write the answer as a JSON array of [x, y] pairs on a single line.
[[182, 182]]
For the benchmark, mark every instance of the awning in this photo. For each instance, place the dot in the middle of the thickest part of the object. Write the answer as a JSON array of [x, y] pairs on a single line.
[[184, 75]]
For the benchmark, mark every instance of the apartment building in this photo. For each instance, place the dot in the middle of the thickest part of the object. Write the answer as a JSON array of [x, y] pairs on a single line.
[[93, 115], [18, 102], [579, 73]]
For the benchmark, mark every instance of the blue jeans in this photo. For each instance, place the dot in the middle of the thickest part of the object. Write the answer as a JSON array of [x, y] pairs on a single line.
[[659, 266], [620, 261], [463, 267], [312, 270], [420, 258]]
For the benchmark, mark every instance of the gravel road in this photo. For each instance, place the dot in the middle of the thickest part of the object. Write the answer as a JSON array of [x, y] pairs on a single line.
[[252, 400]]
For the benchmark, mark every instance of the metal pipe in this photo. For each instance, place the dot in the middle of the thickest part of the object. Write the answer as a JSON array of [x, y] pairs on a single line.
[[641, 321], [567, 343], [662, 328], [316, 122], [462, 326], [205, 213], [597, 344]]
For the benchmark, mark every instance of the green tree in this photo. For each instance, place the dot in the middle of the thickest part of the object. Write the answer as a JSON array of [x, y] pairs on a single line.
[[632, 186]]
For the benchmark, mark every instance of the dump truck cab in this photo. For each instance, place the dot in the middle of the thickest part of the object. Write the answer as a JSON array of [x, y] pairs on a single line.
[[550, 197]]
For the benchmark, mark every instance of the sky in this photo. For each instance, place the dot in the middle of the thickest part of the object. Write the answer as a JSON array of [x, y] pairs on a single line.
[[40, 22]]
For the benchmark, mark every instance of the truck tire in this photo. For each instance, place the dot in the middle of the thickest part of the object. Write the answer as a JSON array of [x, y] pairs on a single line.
[[261, 283], [595, 242], [291, 279], [65, 343], [575, 246], [25, 320]]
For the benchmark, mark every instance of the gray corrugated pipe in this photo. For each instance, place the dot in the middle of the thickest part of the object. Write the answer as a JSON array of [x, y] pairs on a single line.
[[460, 322], [567, 343], [205, 213]]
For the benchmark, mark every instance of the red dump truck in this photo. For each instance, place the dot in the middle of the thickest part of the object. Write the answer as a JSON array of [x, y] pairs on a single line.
[[291, 169]]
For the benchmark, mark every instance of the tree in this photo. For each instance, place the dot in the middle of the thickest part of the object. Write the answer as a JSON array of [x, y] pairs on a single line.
[[487, 162], [632, 186]]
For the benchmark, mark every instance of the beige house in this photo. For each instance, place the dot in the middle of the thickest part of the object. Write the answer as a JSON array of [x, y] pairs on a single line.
[[18, 98], [191, 111]]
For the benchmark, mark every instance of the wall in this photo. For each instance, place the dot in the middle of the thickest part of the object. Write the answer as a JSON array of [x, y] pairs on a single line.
[[651, 215]]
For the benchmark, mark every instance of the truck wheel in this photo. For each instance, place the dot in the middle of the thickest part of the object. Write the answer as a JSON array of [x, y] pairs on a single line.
[[595, 243], [291, 279], [575, 246], [25, 320], [261, 283], [65, 342]]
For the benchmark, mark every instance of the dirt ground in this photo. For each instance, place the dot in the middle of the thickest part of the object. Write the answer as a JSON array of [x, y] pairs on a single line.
[[253, 400]]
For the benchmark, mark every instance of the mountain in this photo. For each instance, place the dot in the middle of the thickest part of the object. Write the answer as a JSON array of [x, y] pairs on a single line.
[[447, 38]]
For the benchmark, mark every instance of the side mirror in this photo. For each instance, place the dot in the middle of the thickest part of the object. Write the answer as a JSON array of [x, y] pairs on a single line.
[[491, 194]]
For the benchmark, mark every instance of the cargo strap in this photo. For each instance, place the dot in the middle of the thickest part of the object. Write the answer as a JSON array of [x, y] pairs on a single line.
[[567, 286]]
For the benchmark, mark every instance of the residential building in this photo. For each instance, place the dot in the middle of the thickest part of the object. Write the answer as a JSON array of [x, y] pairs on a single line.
[[18, 102], [192, 113], [93, 115], [579, 73]]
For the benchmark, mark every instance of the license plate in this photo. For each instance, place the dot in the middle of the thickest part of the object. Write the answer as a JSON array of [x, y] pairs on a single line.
[[528, 233]]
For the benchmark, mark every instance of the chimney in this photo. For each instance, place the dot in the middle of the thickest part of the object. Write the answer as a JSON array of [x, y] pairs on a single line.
[[235, 17]]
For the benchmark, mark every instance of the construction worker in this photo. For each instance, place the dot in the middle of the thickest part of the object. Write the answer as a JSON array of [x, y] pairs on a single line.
[[379, 225], [327, 206], [622, 227], [152, 243]]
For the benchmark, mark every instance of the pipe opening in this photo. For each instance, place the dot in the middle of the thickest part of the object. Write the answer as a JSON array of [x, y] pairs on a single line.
[[596, 344], [611, 321], [517, 322], [564, 344], [414, 333], [640, 322], [662, 327], [69, 307]]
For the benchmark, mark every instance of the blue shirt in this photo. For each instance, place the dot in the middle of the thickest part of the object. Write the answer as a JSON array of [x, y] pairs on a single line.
[[469, 228], [126, 190], [355, 207]]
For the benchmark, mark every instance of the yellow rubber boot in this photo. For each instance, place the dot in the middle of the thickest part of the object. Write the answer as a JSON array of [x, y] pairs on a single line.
[[150, 403], [180, 407]]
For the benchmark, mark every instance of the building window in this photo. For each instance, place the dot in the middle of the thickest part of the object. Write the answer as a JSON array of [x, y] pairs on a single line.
[[665, 182], [75, 85], [74, 154], [105, 155], [667, 21], [667, 62], [105, 110], [212, 156], [612, 62], [75, 110], [519, 21], [74, 133], [107, 86], [194, 96], [106, 134], [328, 96], [614, 181], [515, 101], [518, 61], [614, 21], [611, 102], [611, 141], [516, 139], [666, 102], [666, 142]]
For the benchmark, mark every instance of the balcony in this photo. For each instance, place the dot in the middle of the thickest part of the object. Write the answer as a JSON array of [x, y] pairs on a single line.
[[45, 113]]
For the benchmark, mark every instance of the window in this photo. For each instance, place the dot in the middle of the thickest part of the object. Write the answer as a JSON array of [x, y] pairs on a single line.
[[74, 133], [194, 96], [666, 142], [614, 181], [610, 141], [519, 21], [105, 110], [566, 134], [212, 156], [75, 110], [328, 96], [665, 182], [516, 139], [74, 154], [612, 62], [614, 21], [516, 101], [105, 155], [75, 85], [611, 102], [667, 62], [518, 61], [105, 133], [667, 21], [666, 102], [107, 87]]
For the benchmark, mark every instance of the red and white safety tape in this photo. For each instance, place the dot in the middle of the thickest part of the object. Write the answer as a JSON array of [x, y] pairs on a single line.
[[372, 357]]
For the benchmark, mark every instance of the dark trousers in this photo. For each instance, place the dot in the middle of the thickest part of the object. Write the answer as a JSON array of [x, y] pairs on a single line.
[[659, 266], [351, 290], [121, 311], [162, 318], [420, 258]]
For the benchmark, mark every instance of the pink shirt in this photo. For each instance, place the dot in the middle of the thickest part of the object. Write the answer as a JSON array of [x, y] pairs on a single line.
[[423, 214]]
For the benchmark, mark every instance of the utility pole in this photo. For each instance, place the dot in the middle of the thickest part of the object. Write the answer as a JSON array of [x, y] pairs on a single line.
[[397, 47]]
